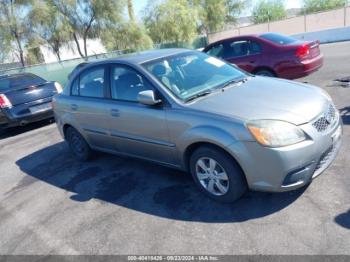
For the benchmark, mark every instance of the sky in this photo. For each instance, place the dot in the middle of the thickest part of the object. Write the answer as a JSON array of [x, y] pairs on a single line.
[[139, 5]]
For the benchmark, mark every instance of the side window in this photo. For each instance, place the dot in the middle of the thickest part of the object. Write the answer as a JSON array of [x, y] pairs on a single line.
[[255, 48], [91, 83], [126, 83], [216, 51], [237, 49]]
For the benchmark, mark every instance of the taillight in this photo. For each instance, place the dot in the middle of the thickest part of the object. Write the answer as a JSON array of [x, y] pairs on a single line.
[[58, 87], [4, 102], [302, 51]]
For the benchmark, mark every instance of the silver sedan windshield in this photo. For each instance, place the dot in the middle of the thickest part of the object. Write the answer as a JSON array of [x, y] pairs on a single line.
[[192, 73]]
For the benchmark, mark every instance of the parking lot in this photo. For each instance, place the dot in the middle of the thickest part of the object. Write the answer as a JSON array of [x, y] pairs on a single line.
[[52, 204]]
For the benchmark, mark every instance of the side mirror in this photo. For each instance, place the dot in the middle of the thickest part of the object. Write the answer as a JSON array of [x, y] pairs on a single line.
[[147, 97]]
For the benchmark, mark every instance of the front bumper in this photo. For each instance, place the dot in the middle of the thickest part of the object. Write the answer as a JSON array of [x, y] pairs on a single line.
[[291, 167]]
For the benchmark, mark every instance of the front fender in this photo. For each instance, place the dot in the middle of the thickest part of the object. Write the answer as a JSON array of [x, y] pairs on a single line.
[[204, 134]]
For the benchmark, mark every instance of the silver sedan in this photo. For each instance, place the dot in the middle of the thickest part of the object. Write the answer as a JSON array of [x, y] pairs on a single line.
[[187, 110]]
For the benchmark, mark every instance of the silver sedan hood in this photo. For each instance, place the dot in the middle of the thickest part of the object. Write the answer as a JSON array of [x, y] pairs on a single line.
[[266, 98]]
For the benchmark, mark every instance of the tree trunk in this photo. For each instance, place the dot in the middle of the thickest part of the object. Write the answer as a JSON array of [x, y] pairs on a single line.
[[85, 48], [78, 46], [131, 11], [20, 50], [86, 32], [57, 53]]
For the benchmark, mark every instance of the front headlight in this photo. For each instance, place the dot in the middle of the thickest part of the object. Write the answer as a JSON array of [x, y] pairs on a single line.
[[274, 133]]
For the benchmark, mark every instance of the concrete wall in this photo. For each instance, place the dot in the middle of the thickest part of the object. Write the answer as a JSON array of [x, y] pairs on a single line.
[[254, 29], [347, 16], [289, 26], [313, 25], [325, 20]]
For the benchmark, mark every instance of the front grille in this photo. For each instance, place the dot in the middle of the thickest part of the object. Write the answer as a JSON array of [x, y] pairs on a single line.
[[326, 120]]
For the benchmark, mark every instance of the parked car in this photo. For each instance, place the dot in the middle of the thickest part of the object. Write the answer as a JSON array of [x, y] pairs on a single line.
[[194, 112], [270, 54], [25, 98]]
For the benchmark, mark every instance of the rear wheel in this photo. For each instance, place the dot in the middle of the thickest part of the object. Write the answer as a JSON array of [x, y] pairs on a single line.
[[265, 72], [80, 148], [217, 174], [2, 131]]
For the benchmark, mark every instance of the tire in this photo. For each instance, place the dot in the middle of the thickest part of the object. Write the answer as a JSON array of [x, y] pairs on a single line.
[[78, 145], [265, 72], [2, 131], [232, 186]]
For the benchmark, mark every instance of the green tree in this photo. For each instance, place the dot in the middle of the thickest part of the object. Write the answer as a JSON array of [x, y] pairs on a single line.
[[88, 18], [269, 10], [14, 24], [214, 14], [5, 45], [33, 53], [50, 25], [312, 6], [171, 21], [128, 35]]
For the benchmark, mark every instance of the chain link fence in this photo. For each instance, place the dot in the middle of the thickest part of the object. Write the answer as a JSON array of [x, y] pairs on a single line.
[[331, 19], [59, 71]]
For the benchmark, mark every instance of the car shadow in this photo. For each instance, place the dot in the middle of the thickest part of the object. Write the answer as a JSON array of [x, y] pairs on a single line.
[[14, 131], [142, 186], [343, 219], [345, 115]]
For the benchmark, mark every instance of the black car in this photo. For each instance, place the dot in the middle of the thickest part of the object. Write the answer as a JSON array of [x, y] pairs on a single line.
[[25, 98]]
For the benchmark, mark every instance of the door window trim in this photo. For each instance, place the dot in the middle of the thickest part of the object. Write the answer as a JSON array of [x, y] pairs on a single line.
[[109, 83], [77, 78]]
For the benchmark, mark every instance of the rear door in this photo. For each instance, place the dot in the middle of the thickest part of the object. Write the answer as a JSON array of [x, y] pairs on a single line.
[[87, 104]]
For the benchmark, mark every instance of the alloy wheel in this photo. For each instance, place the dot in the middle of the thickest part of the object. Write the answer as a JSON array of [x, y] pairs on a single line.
[[212, 176]]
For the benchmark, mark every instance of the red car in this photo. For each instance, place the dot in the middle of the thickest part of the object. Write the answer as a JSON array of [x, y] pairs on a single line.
[[269, 54]]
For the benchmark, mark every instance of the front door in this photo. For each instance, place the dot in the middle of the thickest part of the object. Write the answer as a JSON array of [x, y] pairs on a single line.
[[137, 129]]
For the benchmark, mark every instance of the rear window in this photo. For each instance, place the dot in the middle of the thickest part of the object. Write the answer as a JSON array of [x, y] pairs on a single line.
[[20, 81], [278, 39]]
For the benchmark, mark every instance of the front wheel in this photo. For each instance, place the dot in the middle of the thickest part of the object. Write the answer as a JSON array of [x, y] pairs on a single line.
[[217, 174]]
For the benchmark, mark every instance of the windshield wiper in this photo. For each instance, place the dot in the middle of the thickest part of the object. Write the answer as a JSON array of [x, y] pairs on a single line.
[[222, 87], [233, 81], [205, 93]]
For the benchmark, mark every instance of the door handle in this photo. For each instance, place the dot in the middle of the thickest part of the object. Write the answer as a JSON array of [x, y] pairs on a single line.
[[74, 107], [115, 112]]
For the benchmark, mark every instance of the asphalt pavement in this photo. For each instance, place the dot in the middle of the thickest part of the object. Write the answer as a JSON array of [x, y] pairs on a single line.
[[52, 204]]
